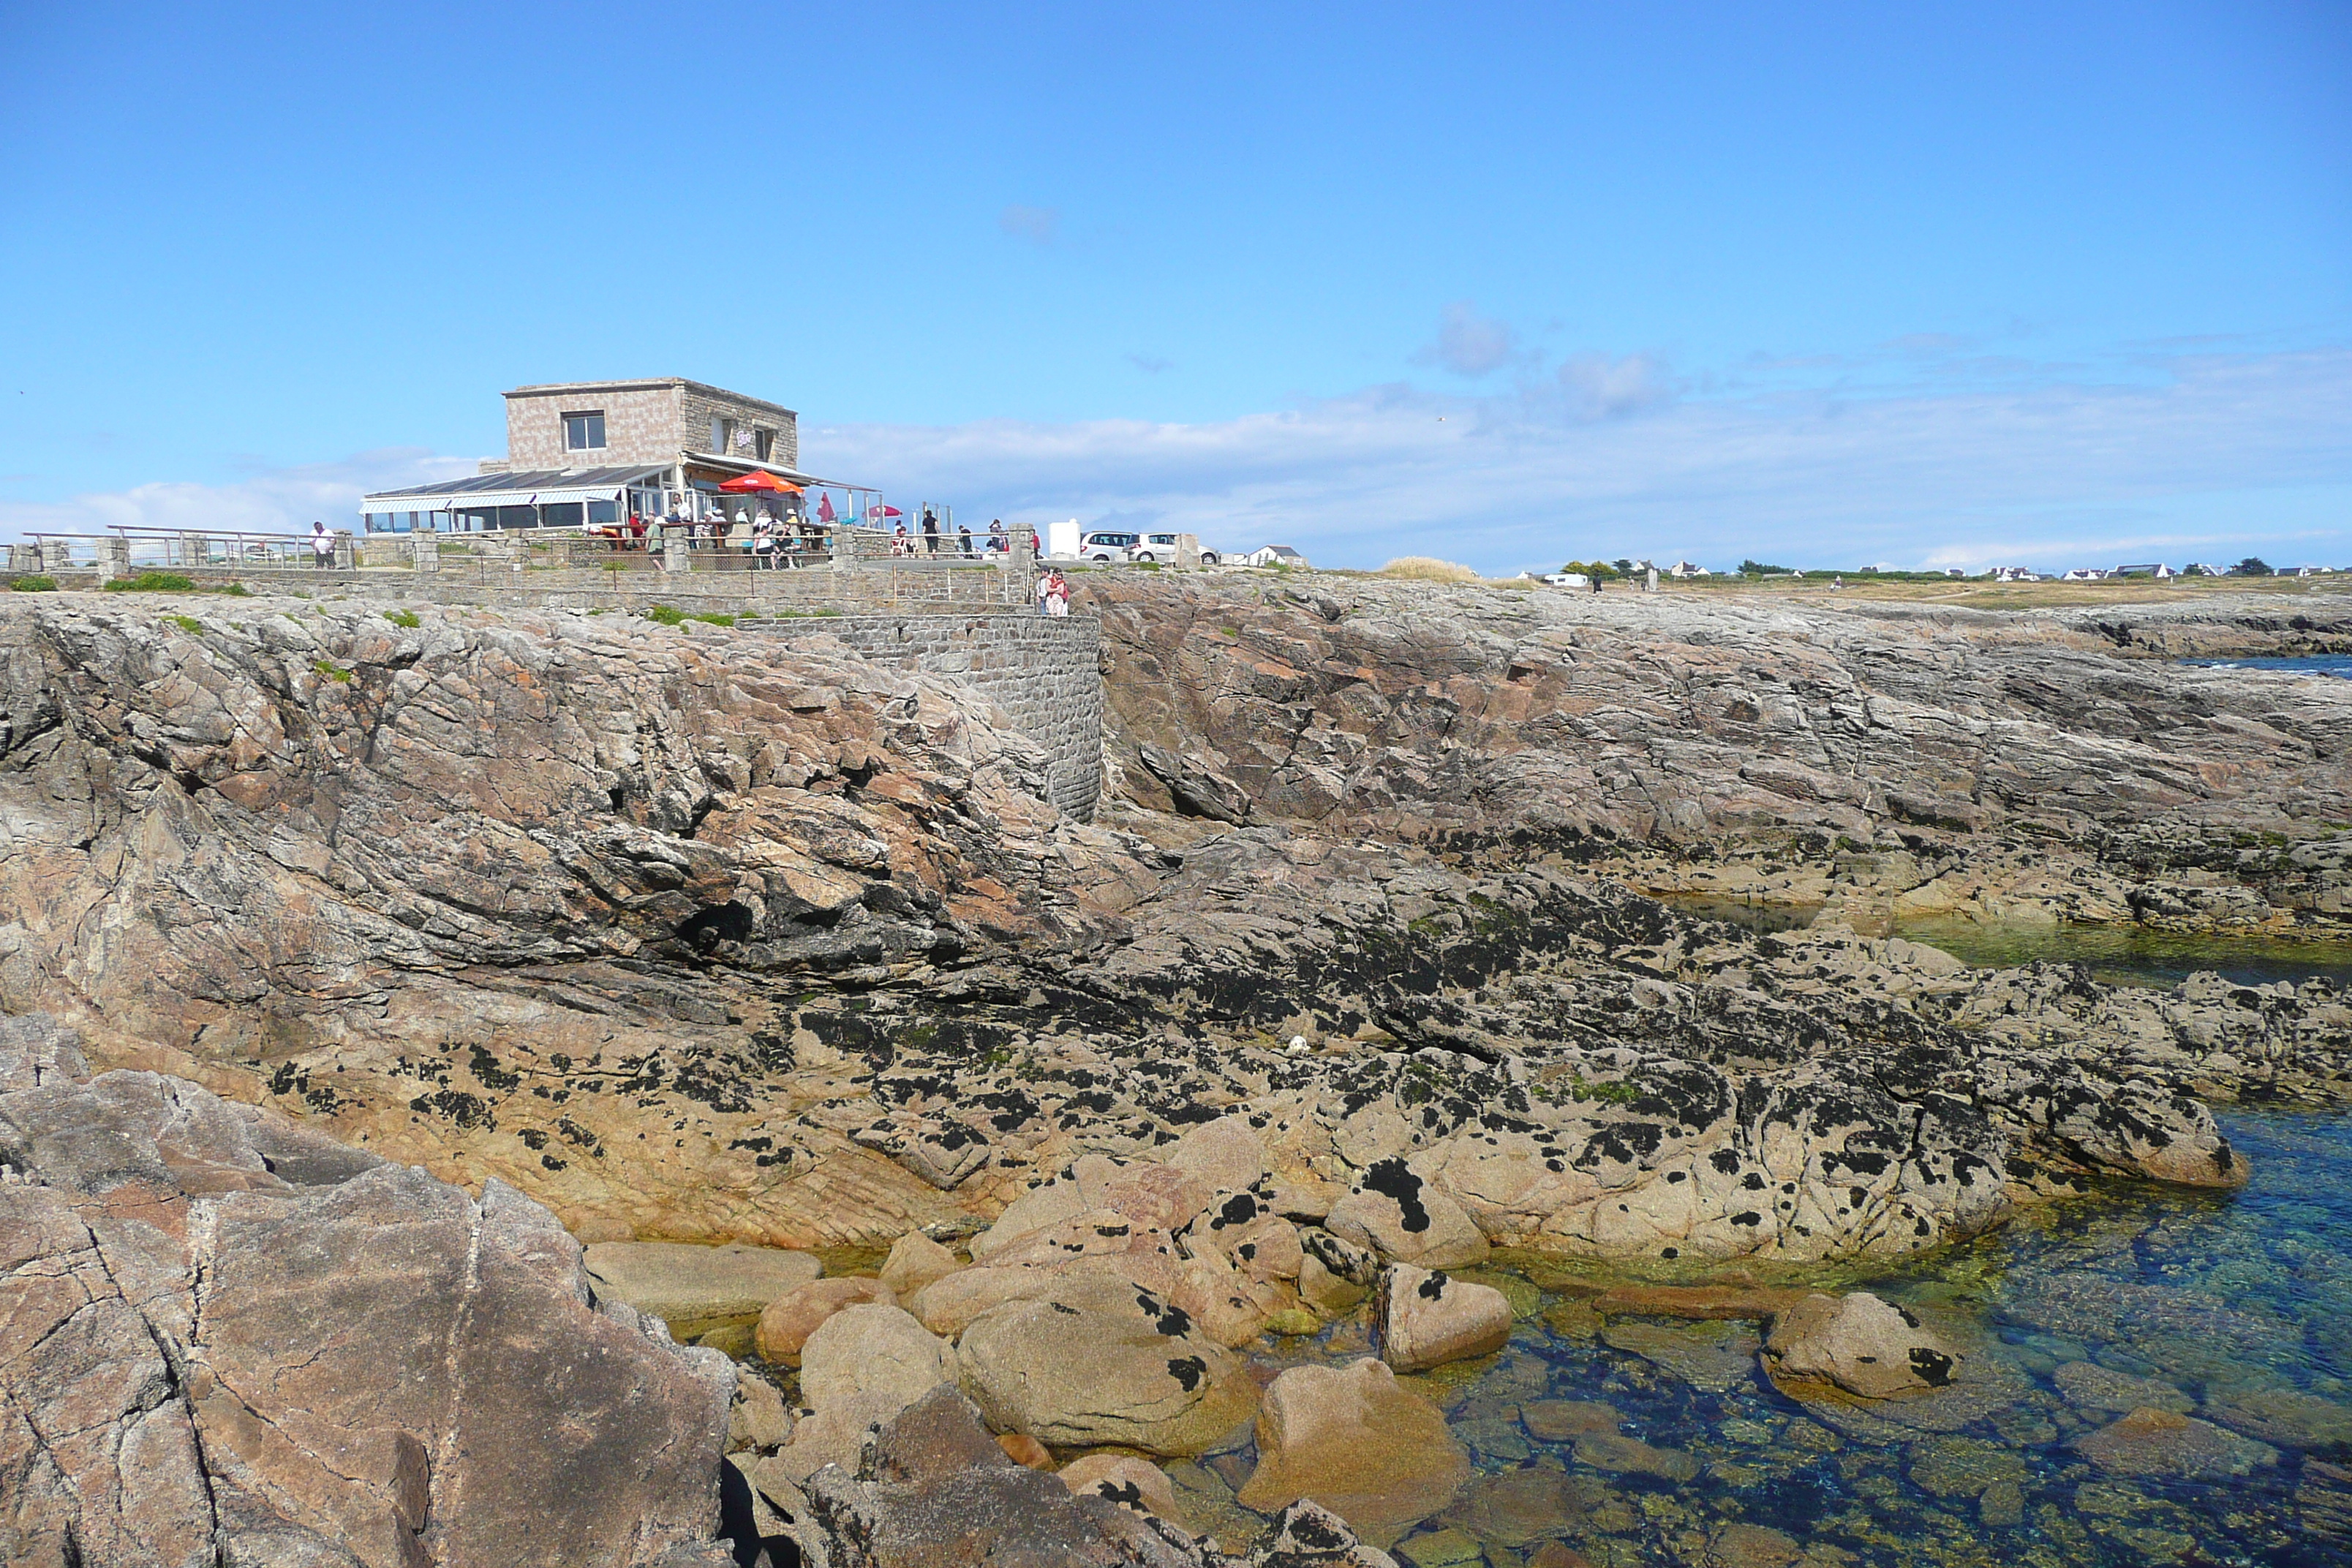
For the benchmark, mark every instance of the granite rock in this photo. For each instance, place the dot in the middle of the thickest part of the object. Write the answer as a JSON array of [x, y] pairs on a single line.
[[1426, 1319]]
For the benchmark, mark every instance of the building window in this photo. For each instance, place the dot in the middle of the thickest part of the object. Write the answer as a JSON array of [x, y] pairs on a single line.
[[585, 431], [722, 433], [763, 441]]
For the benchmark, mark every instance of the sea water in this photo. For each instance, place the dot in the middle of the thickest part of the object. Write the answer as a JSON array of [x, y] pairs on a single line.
[[2218, 1305]]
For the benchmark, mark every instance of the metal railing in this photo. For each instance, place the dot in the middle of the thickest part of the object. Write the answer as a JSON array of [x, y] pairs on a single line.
[[843, 564]]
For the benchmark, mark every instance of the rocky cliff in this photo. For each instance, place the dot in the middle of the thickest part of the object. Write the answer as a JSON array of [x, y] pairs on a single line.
[[690, 933], [410, 950], [1870, 755]]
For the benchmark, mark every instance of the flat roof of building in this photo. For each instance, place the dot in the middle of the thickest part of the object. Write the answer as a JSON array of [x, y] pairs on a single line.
[[522, 483], [648, 384]]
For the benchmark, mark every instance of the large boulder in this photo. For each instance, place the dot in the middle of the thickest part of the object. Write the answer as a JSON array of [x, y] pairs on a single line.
[[915, 1261], [1424, 1319], [1305, 1535], [1102, 1361], [696, 1289], [1394, 1212], [1124, 1479], [1862, 1344], [1356, 1441], [222, 1334], [861, 1367], [788, 1320], [1100, 1244], [933, 1491], [1241, 1227]]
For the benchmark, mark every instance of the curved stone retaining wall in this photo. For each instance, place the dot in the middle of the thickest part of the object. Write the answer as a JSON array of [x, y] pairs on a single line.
[[1045, 673]]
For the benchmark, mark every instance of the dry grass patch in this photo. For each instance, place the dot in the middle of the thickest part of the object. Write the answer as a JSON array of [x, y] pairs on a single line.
[[1429, 569]]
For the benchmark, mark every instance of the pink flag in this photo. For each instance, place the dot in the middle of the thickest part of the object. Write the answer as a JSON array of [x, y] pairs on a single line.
[[825, 507]]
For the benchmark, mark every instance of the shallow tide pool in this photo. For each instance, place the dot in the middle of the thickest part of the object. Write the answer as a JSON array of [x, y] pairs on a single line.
[[2229, 1317]]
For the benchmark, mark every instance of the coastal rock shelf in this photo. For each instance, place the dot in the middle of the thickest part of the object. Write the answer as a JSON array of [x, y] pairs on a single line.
[[693, 935], [393, 993]]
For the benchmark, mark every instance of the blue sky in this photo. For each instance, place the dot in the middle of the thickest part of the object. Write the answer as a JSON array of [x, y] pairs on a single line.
[[1914, 284]]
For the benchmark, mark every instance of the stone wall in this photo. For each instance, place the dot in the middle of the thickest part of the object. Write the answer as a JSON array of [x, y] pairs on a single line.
[[645, 422], [1045, 673], [641, 426], [697, 403]]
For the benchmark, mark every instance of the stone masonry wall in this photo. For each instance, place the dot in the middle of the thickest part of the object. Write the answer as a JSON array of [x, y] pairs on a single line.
[[1045, 673], [650, 423], [696, 406], [641, 426]]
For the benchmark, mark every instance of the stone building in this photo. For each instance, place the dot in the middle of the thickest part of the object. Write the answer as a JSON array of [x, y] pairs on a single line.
[[585, 453]]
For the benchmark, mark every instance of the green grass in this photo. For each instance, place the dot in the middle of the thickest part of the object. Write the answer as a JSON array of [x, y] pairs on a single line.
[[402, 618], [334, 671], [35, 584], [173, 582], [669, 616], [188, 624]]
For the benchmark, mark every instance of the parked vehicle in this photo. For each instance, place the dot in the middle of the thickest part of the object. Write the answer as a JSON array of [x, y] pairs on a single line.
[[1107, 545], [1161, 548]]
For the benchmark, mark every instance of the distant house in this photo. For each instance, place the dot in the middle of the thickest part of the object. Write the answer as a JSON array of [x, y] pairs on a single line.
[[1276, 555], [2085, 574], [2016, 574], [1685, 570], [2157, 570], [2200, 569]]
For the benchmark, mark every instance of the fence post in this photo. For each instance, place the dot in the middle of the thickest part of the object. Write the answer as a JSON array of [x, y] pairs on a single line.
[[424, 552], [114, 557], [675, 556], [346, 557]]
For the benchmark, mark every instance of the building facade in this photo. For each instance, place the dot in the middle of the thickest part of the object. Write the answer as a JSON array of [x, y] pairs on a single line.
[[594, 453], [611, 423]]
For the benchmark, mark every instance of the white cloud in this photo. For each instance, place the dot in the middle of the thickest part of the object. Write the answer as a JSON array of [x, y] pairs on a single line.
[[276, 501], [1599, 387], [1036, 224], [2210, 457], [1470, 346], [2211, 451]]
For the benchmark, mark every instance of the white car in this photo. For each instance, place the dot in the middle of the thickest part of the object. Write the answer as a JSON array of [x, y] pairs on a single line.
[[1161, 548], [1107, 545]]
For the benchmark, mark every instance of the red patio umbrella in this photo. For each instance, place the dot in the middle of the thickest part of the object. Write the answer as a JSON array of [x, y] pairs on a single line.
[[759, 484]]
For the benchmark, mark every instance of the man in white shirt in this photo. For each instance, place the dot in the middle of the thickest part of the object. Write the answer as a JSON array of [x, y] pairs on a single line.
[[322, 545]]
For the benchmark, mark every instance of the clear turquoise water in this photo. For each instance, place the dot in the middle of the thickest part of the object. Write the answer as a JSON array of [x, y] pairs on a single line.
[[2215, 1297]]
